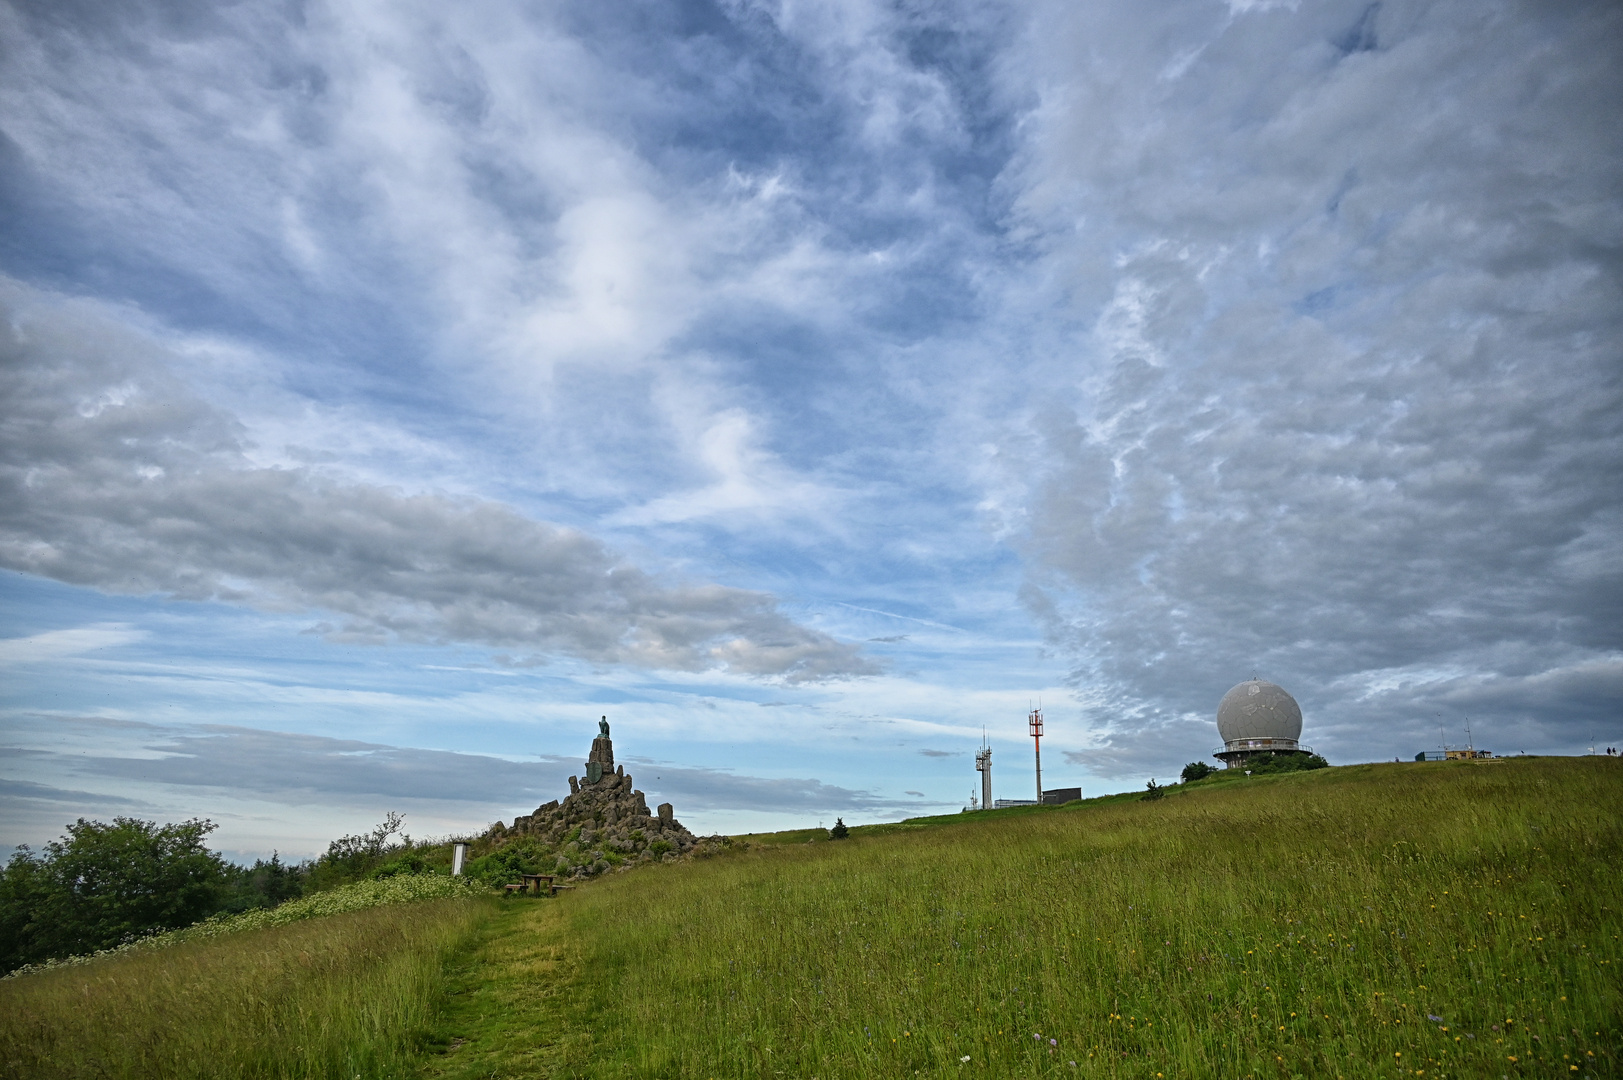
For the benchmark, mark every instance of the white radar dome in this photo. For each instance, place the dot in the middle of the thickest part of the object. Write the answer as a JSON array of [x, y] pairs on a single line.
[[1258, 710]]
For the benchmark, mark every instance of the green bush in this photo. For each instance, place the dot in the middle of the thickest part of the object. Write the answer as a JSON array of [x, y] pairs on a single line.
[[839, 831], [1154, 790], [660, 847], [1196, 770], [409, 863], [103, 884], [1284, 763], [354, 858], [505, 864]]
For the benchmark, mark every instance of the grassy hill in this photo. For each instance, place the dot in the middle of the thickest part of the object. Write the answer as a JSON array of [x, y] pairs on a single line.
[[1447, 919]]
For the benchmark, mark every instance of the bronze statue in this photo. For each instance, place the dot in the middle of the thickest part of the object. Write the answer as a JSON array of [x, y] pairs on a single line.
[[603, 728]]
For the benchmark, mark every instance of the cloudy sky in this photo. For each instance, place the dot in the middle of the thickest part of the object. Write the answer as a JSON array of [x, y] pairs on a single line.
[[391, 388]]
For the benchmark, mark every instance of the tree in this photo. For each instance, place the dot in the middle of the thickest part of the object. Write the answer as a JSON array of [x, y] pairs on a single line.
[[1196, 770], [350, 858], [22, 890], [1155, 791], [103, 884], [264, 884], [839, 831]]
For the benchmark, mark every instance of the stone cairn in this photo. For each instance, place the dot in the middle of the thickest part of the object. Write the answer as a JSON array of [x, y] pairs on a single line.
[[605, 821]]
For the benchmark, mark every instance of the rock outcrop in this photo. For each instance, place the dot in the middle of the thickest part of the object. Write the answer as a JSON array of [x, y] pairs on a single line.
[[604, 823]]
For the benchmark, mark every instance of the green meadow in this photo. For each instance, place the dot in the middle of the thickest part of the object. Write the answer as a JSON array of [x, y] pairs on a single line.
[[340, 996], [1444, 920]]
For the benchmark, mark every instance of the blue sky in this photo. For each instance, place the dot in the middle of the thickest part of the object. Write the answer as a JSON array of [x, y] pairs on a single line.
[[393, 389]]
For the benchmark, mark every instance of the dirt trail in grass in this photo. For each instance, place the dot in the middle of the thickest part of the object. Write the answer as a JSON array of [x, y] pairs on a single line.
[[509, 1009]]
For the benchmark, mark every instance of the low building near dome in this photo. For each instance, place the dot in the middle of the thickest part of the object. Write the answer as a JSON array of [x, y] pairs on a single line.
[[1455, 753]]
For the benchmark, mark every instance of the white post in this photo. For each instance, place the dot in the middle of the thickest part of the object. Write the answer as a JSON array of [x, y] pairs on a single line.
[[459, 852]]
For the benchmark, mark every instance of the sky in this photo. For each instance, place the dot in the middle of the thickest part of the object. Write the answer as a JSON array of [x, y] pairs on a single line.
[[392, 388]]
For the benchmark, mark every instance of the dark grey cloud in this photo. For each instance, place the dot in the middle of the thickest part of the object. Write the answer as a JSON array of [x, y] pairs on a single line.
[[34, 811], [293, 768], [28, 792], [720, 789], [941, 753], [113, 476], [1348, 411]]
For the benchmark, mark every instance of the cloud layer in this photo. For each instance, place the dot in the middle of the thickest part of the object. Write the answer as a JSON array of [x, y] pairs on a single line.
[[700, 338], [113, 476], [179, 769], [1349, 407]]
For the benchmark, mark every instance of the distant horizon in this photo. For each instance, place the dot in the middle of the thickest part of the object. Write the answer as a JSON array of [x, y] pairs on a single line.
[[248, 858]]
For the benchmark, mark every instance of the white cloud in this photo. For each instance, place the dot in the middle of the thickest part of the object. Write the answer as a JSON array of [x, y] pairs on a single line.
[[59, 644]]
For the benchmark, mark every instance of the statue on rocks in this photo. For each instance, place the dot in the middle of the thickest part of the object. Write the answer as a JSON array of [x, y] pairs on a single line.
[[601, 759], [606, 822]]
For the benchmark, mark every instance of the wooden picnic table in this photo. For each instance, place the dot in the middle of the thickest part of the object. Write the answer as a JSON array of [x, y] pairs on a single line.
[[535, 884]]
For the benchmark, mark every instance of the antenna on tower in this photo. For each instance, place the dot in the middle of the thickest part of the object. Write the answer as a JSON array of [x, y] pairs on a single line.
[[983, 765], [1034, 725]]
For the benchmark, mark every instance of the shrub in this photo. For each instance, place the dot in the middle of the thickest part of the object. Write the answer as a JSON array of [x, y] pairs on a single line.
[[660, 847], [352, 858], [506, 863], [409, 863], [1155, 791], [1285, 763], [103, 884], [839, 831], [1196, 770]]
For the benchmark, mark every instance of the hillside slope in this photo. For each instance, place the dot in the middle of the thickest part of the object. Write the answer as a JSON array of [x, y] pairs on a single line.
[[1450, 919]]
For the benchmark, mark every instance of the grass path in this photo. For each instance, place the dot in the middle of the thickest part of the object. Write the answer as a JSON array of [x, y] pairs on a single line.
[[510, 1008]]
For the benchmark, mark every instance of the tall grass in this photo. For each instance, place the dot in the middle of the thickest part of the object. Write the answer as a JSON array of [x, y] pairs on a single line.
[[405, 889], [344, 996], [1459, 919]]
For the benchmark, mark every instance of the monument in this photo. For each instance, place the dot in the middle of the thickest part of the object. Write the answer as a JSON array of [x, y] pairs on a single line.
[[601, 759], [604, 821]]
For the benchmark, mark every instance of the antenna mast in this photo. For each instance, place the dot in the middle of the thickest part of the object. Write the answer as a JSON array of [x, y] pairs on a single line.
[[1034, 724], [983, 765]]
